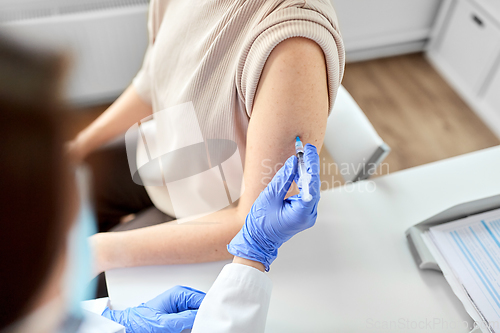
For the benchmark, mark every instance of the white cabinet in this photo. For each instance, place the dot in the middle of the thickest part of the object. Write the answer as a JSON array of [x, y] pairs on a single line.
[[470, 44], [373, 28], [465, 49]]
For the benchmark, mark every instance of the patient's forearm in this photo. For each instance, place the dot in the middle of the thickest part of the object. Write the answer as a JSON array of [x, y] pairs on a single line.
[[170, 243]]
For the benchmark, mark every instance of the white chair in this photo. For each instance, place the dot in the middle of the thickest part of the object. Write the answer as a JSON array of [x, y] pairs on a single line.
[[352, 141]]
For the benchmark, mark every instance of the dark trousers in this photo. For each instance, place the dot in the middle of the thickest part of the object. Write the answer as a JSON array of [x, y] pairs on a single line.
[[115, 195]]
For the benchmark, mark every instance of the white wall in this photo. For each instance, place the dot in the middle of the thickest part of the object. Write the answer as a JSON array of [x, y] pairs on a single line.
[[48, 2], [105, 48], [373, 28]]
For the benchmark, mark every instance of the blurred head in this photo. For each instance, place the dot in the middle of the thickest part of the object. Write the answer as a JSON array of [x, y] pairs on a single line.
[[34, 179]]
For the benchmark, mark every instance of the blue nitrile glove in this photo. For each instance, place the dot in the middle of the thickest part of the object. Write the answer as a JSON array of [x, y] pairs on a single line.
[[274, 220], [171, 312]]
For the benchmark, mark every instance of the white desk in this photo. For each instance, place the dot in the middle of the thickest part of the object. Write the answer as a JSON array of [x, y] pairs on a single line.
[[353, 271]]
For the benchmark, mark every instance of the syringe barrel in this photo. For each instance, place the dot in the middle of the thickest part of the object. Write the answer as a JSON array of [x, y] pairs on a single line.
[[302, 168], [304, 178]]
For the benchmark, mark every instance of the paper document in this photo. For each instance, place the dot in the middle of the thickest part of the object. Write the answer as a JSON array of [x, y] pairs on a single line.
[[471, 247]]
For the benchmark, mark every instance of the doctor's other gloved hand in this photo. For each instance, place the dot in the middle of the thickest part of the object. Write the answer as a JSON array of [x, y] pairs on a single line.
[[273, 219], [170, 312]]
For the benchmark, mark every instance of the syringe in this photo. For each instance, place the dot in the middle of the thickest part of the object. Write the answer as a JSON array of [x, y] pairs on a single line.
[[304, 177]]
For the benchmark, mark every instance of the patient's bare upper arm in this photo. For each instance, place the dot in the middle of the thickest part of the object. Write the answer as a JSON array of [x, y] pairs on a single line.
[[291, 100]]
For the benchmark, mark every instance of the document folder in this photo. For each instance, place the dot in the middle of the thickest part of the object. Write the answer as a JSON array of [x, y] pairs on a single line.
[[419, 250], [422, 248]]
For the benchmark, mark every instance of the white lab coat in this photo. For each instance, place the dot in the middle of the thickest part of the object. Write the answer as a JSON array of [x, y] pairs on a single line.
[[238, 301]]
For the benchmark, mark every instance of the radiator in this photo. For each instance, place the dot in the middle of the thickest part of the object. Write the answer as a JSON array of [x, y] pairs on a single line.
[[105, 40]]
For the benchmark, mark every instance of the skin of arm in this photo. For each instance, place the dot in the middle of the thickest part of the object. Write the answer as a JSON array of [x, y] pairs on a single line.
[[291, 100], [127, 110], [251, 263]]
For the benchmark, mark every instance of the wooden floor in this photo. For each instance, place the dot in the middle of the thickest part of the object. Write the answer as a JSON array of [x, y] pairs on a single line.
[[412, 108], [415, 111]]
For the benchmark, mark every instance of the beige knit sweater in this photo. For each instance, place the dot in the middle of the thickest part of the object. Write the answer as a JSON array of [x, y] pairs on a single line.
[[210, 54]]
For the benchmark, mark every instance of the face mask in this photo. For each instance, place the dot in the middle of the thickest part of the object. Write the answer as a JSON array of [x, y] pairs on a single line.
[[79, 262]]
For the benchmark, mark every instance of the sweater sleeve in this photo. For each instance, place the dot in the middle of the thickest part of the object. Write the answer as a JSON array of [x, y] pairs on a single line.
[[320, 27], [237, 302]]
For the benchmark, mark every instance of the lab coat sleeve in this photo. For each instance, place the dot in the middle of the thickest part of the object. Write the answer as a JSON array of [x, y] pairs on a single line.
[[237, 302]]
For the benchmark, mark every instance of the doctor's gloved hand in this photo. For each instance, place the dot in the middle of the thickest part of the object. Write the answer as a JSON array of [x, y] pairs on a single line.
[[170, 312], [273, 219]]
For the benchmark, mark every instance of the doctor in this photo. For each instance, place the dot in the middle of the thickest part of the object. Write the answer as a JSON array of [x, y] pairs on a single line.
[[43, 248]]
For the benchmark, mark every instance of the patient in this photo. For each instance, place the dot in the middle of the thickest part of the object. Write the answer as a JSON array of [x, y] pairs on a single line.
[[257, 73]]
